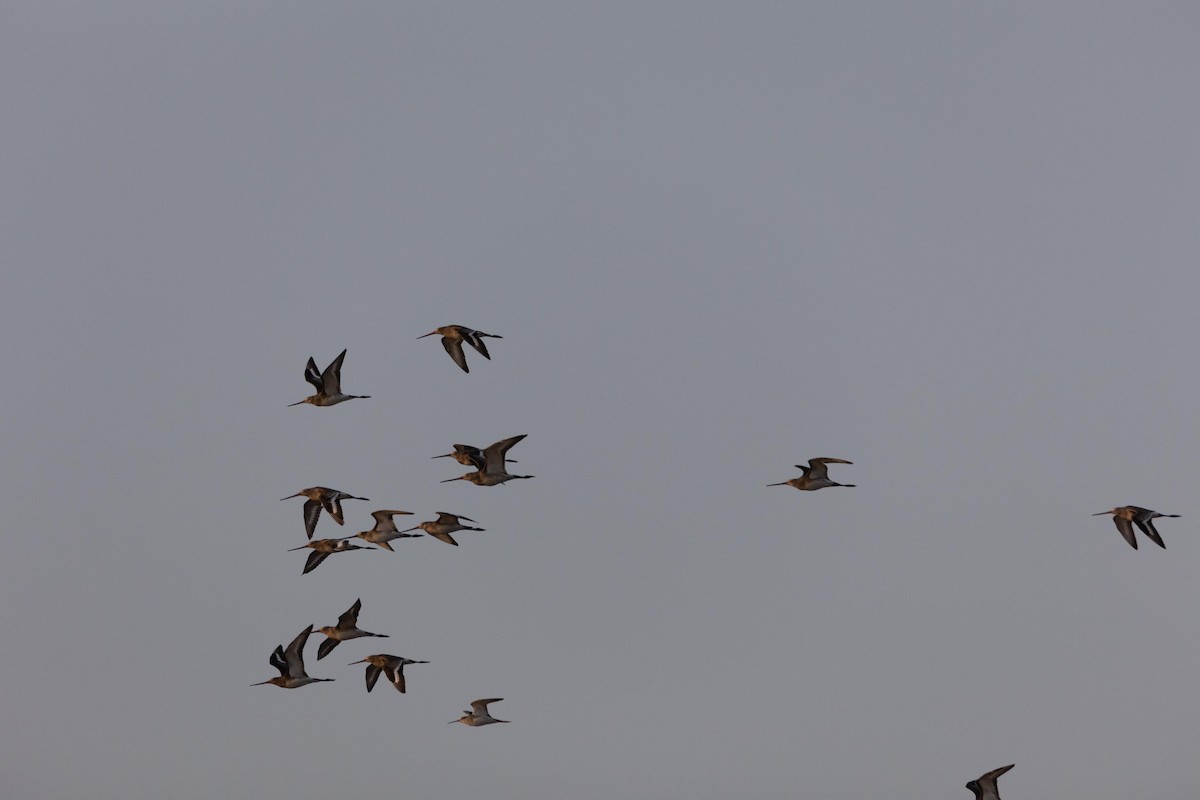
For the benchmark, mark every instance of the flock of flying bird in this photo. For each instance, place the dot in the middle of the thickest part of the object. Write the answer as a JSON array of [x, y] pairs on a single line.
[[489, 470], [816, 476]]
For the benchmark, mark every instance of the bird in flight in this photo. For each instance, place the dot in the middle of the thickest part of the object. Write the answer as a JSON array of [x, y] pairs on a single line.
[[493, 472], [392, 666], [385, 529], [478, 715], [443, 526], [453, 337], [290, 663], [984, 786], [328, 384], [1128, 516], [346, 628], [816, 475], [323, 548], [321, 497]]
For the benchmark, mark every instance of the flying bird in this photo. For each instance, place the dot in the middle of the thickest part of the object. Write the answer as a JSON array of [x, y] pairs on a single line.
[[320, 497], [391, 666], [346, 628], [816, 475], [454, 335], [328, 384], [469, 456], [1142, 517], [385, 529], [323, 548], [985, 786], [290, 664], [443, 526], [478, 715], [493, 472]]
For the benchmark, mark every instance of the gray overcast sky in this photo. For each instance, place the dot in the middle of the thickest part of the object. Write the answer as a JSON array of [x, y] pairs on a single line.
[[955, 243]]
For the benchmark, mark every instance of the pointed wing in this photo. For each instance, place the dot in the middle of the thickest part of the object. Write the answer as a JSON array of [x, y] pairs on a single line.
[[313, 376], [987, 783], [396, 675], [349, 620], [455, 351], [314, 560], [384, 521], [312, 512], [450, 519], [480, 706], [1150, 531], [334, 507], [817, 467], [278, 661], [443, 537], [1126, 529], [494, 453], [476, 341], [817, 470], [294, 655], [327, 647], [372, 675], [332, 376]]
